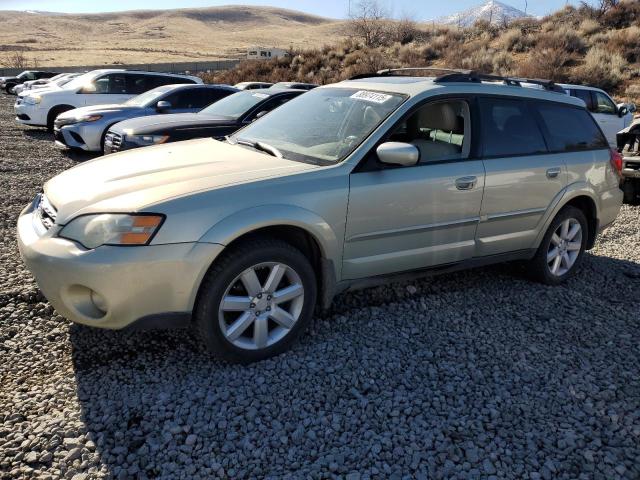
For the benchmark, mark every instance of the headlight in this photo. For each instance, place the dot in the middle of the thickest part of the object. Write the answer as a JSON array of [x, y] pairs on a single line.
[[88, 118], [147, 139], [91, 231], [32, 99]]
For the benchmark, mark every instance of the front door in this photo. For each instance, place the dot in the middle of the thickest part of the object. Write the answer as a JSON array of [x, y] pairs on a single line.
[[606, 114], [408, 218]]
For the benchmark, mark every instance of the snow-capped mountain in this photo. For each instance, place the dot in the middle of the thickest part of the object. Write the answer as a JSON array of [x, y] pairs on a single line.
[[491, 11]]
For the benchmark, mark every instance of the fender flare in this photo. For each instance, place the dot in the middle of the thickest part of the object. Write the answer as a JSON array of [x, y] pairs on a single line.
[[271, 215], [575, 190]]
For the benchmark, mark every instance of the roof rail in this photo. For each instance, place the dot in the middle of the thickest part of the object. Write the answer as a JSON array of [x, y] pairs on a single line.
[[459, 75]]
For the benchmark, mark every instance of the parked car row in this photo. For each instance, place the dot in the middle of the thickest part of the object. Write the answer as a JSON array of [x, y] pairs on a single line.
[[8, 83], [241, 234]]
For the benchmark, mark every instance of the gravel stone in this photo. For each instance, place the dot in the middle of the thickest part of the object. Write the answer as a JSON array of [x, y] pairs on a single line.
[[469, 375]]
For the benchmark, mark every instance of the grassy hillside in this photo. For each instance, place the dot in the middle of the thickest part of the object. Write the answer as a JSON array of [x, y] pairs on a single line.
[[572, 45], [157, 36]]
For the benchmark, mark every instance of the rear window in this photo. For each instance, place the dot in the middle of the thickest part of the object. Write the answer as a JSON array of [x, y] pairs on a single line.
[[569, 128], [508, 129]]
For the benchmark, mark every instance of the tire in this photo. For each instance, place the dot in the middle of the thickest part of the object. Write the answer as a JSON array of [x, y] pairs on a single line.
[[540, 268], [631, 189], [53, 113], [8, 88], [258, 334]]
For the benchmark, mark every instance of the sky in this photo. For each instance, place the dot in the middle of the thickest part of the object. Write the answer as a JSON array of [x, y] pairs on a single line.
[[420, 9]]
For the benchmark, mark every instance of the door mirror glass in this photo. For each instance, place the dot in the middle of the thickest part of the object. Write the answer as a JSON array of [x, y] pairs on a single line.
[[398, 153], [163, 106]]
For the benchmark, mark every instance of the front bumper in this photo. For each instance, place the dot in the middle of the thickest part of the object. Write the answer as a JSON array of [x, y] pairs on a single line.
[[84, 136], [113, 287], [29, 114]]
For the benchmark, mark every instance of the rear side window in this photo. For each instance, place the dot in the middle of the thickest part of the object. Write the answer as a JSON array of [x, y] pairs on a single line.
[[569, 128], [508, 129], [585, 96]]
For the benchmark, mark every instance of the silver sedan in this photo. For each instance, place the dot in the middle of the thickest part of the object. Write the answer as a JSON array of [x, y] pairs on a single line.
[[85, 128]]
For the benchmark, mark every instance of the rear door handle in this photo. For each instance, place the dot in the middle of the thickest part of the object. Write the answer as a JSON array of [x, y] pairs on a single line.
[[553, 172], [466, 183]]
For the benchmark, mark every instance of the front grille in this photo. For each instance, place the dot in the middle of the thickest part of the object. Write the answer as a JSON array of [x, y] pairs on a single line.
[[112, 142], [46, 212]]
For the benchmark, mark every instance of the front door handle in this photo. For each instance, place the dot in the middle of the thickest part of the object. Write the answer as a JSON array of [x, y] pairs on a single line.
[[553, 172], [466, 183]]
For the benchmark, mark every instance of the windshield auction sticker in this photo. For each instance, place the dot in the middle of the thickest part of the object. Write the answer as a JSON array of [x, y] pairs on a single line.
[[374, 97]]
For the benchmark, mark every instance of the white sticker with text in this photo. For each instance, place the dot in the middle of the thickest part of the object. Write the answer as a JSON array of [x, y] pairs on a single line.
[[374, 97]]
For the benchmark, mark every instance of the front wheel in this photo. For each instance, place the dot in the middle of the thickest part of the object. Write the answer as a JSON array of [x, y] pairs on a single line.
[[255, 301], [562, 247]]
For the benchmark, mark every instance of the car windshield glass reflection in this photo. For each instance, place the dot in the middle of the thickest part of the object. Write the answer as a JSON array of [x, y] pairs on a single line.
[[322, 126]]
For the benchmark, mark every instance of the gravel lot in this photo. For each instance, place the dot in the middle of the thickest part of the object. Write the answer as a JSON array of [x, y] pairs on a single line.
[[480, 374]]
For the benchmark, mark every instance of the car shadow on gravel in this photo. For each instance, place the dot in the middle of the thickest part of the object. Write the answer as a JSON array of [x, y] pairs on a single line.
[[426, 359]]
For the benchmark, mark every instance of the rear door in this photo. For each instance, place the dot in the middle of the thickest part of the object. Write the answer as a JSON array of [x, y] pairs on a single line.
[[522, 178]]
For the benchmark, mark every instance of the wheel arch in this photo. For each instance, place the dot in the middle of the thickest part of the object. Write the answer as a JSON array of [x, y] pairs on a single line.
[[301, 228], [583, 198], [58, 109]]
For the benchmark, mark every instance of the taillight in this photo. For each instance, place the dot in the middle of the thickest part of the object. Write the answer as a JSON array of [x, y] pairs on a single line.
[[616, 161]]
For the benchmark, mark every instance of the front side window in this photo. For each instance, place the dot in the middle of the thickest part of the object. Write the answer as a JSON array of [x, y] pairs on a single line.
[[149, 98], [440, 130], [321, 126], [604, 104], [114, 83], [569, 128], [508, 129]]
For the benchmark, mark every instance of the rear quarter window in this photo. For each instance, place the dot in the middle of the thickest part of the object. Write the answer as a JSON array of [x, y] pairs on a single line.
[[569, 128]]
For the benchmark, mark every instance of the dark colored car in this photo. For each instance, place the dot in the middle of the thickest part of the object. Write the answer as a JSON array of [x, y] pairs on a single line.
[[7, 83], [218, 120], [296, 85]]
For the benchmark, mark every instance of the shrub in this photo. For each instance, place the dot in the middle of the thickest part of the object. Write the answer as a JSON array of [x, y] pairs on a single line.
[[589, 26], [563, 38], [546, 63], [627, 43], [514, 40], [602, 69]]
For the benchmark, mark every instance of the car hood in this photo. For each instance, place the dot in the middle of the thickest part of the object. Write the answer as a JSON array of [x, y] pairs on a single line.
[[99, 109], [133, 180], [145, 125]]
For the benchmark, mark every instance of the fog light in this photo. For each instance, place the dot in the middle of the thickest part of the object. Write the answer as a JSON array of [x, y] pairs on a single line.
[[98, 301]]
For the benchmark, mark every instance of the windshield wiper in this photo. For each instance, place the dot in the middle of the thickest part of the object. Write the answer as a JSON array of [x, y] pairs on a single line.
[[262, 146]]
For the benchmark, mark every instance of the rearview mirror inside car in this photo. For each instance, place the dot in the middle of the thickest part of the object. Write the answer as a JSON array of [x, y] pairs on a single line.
[[163, 106], [398, 153]]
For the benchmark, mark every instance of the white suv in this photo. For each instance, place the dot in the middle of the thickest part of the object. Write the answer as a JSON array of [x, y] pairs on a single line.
[[611, 117], [97, 87]]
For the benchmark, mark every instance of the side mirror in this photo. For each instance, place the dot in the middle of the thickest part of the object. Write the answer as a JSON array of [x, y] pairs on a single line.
[[632, 107], [397, 153], [623, 110], [163, 106]]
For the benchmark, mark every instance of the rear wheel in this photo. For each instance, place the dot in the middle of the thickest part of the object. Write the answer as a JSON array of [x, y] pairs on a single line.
[[255, 301], [562, 247]]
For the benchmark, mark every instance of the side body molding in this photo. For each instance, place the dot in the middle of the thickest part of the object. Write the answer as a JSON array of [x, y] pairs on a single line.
[[244, 221]]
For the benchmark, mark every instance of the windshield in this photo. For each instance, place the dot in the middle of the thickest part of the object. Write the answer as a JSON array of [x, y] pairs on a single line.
[[235, 105], [322, 126], [148, 98]]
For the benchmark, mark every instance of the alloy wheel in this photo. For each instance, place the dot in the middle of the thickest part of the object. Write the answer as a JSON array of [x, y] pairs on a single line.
[[564, 247], [261, 306]]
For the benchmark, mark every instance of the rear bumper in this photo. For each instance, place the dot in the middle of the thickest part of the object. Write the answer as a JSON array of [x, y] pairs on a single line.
[[610, 205]]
